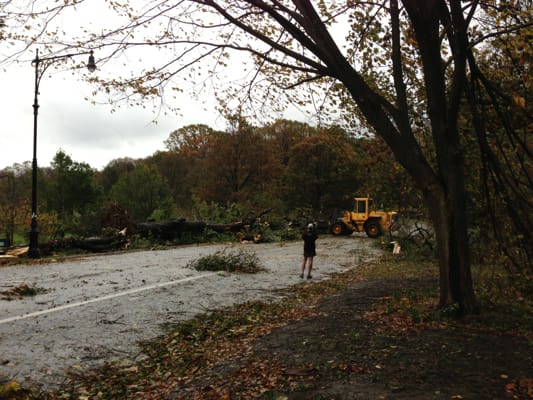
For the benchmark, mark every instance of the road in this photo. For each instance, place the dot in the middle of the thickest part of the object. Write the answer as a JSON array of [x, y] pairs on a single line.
[[96, 309]]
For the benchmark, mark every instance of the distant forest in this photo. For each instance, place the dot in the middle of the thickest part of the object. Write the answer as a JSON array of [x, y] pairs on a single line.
[[297, 170]]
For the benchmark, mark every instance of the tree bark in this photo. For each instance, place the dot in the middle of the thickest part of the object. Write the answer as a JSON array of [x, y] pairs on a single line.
[[450, 226], [169, 229], [441, 182]]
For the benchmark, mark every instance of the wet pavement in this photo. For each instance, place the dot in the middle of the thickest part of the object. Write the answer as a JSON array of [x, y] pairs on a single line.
[[96, 309]]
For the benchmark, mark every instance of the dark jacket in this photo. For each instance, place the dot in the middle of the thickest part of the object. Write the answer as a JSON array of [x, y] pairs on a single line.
[[309, 239]]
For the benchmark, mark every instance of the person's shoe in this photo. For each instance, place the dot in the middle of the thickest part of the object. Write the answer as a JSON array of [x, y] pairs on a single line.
[[302, 276], [308, 276]]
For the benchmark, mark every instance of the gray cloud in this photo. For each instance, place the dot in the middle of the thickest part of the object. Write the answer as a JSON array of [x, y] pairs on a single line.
[[88, 133]]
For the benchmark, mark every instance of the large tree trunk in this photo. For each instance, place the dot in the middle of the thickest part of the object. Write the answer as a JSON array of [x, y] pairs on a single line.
[[441, 180], [447, 216]]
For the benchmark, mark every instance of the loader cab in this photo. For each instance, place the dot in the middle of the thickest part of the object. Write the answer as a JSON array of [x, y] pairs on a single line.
[[361, 208]]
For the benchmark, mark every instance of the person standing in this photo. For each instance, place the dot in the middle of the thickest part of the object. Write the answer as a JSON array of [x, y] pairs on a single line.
[[309, 237]]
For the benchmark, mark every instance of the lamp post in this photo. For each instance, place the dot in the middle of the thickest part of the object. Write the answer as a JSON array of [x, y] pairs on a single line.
[[41, 64]]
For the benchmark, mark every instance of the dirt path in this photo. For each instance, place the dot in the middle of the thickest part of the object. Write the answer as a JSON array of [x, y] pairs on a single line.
[[341, 352], [98, 308]]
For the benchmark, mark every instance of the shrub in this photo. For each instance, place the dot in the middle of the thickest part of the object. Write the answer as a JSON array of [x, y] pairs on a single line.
[[240, 261]]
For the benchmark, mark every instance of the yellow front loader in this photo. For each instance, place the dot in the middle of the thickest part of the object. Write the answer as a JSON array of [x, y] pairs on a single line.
[[362, 219]]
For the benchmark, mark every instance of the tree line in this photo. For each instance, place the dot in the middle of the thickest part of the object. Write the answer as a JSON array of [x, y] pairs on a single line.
[[298, 170]]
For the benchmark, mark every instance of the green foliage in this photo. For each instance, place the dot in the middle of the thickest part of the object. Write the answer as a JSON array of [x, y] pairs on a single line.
[[239, 164], [50, 226], [214, 212], [322, 171], [138, 243], [141, 192], [384, 179], [68, 186], [240, 261], [271, 235], [160, 214], [113, 171], [69, 191]]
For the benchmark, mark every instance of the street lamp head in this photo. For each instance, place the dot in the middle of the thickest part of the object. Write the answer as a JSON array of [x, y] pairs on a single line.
[[91, 64]]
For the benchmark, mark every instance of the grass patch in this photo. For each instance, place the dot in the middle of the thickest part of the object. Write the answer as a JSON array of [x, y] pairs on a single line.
[[398, 267], [503, 308]]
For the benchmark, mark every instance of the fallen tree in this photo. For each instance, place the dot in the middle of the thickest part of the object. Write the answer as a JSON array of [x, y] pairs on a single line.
[[247, 229], [94, 245], [170, 229]]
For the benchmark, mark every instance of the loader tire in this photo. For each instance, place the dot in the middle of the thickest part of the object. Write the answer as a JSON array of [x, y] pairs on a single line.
[[373, 230], [337, 229]]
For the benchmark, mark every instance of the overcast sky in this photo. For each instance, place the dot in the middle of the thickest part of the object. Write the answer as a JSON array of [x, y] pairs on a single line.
[[92, 133], [86, 132]]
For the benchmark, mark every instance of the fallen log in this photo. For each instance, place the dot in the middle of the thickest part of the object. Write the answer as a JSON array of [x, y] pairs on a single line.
[[246, 223], [95, 245], [168, 230], [226, 228]]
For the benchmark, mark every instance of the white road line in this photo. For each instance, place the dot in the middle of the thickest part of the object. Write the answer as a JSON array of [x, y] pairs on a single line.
[[103, 298]]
